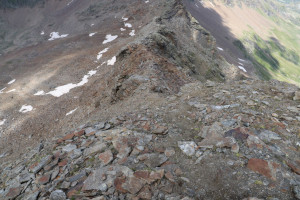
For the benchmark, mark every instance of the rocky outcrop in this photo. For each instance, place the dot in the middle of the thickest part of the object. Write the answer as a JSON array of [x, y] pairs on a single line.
[[240, 139]]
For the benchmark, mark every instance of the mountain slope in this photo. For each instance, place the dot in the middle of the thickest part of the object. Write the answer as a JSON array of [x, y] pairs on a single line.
[[132, 99], [264, 32], [98, 70]]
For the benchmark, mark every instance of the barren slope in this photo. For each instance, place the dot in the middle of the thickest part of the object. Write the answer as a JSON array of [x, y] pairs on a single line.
[[136, 102]]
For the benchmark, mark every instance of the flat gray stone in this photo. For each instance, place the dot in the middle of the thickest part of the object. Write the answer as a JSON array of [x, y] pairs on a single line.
[[77, 176], [268, 136], [94, 181], [69, 147], [43, 162], [229, 123], [155, 160], [33, 196], [58, 195], [96, 148]]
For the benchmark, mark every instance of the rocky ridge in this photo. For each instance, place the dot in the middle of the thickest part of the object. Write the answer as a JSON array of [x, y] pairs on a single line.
[[209, 141], [176, 135]]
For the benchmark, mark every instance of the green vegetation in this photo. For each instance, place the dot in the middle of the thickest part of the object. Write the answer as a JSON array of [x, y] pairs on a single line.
[[273, 59], [277, 57]]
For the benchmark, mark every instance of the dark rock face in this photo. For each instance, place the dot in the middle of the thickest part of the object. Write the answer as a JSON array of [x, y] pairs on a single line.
[[6, 4]]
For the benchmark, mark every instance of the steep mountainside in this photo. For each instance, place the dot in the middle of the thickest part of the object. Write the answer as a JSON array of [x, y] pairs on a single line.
[[266, 33], [131, 99]]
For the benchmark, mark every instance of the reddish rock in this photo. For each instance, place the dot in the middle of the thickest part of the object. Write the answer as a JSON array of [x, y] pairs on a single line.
[[280, 125], [178, 172], [295, 168], [122, 147], [106, 157], [31, 167], [263, 167], [241, 134], [167, 163], [170, 177], [44, 179], [57, 154], [71, 192], [159, 149], [145, 193], [91, 133], [157, 175], [118, 184], [108, 138], [160, 130], [13, 192], [80, 133], [88, 143], [144, 174], [69, 136], [146, 127], [59, 141], [63, 163], [133, 185], [169, 152], [122, 161], [143, 157]]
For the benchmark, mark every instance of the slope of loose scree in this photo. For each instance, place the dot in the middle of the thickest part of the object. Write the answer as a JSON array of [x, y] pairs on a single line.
[[143, 107]]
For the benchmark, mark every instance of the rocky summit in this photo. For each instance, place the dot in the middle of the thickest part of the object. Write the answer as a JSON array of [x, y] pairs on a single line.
[[162, 117]]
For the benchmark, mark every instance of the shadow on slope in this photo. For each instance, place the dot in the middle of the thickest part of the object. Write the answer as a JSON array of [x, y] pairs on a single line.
[[233, 47]]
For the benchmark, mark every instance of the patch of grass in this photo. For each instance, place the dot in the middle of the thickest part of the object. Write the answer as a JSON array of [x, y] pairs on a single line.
[[273, 58], [278, 56], [257, 182]]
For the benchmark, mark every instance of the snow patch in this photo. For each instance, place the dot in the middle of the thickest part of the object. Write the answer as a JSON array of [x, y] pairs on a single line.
[[26, 108], [55, 35], [128, 25], [40, 93], [42, 33], [212, 4], [242, 68], [13, 90], [112, 61], [1, 91], [92, 24], [109, 38], [61, 90], [221, 49], [70, 2], [241, 64], [242, 60], [92, 34], [11, 82], [132, 33], [147, 1], [100, 54], [71, 112], [2, 122], [124, 19], [122, 29]]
